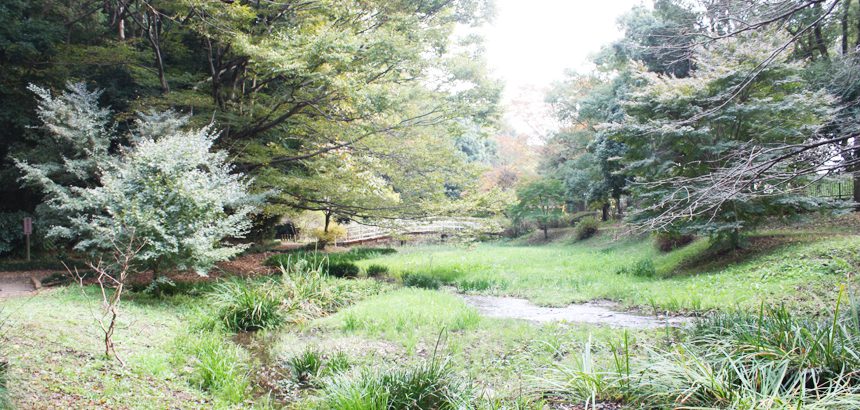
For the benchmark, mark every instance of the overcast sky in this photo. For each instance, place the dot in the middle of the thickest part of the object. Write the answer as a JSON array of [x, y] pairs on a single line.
[[531, 42]]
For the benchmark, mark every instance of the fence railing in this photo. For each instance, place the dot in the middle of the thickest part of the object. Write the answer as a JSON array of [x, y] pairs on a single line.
[[358, 232], [840, 189]]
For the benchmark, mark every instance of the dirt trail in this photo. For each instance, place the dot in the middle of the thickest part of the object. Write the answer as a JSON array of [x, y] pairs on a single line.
[[598, 313]]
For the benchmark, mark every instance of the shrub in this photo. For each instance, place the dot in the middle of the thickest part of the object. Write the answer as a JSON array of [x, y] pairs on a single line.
[[247, 306], [642, 268], [376, 270], [420, 280], [334, 233], [428, 386], [11, 233], [343, 269], [586, 228], [668, 241]]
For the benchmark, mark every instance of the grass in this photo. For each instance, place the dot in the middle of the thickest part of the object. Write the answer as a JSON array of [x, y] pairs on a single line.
[[405, 314], [364, 343], [563, 273], [773, 359]]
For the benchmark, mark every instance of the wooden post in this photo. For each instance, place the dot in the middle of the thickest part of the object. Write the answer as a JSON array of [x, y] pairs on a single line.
[[28, 230]]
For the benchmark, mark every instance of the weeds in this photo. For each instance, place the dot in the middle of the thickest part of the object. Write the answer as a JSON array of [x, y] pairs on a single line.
[[305, 367], [431, 385], [771, 359], [479, 285], [247, 306], [420, 280], [218, 366], [644, 268], [375, 270]]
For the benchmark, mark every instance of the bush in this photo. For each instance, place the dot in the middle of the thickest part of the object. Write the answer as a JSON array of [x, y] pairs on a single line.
[[643, 268], [376, 270], [343, 269], [420, 280], [668, 241], [586, 228], [11, 231], [247, 306], [428, 386]]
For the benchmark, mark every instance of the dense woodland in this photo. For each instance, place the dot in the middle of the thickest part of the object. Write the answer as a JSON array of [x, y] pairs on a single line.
[[686, 238]]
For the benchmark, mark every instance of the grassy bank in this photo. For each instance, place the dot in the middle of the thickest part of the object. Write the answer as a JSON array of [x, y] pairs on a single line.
[[802, 273]]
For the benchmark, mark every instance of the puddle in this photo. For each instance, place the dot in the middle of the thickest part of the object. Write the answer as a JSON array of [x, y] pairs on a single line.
[[597, 313]]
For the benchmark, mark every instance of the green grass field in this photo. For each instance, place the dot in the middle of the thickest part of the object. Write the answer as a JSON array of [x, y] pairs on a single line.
[[805, 274], [347, 340]]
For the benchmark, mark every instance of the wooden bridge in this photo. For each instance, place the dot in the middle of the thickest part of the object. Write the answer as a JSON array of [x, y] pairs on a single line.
[[359, 233]]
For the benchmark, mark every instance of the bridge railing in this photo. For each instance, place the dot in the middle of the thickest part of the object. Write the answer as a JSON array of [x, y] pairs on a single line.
[[359, 232]]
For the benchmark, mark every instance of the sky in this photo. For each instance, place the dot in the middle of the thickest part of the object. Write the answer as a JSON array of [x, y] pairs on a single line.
[[530, 44]]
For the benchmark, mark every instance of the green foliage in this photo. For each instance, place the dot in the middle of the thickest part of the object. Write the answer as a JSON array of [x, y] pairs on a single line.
[[353, 255], [432, 385], [247, 306], [305, 367], [218, 366], [669, 241], [167, 193], [586, 228], [479, 284], [643, 268], [375, 270], [541, 202], [343, 269], [421, 280], [11, 231]]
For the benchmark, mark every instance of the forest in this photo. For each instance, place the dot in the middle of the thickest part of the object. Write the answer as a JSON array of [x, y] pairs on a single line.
[[344, 204]]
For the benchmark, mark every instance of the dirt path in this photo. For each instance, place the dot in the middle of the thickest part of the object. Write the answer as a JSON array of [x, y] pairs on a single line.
[[598, 313]]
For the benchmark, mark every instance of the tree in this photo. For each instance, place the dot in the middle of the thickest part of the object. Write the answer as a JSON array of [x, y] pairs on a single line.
[[682, 138], [167, 190], [540, 201], [286, 81]]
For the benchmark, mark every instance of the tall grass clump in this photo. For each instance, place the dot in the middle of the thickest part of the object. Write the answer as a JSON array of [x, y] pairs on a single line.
[[217, 365], [421, 280], [586, 228], [761, 360], [375, 270], [643, 268], [432, 385], [247, 305]]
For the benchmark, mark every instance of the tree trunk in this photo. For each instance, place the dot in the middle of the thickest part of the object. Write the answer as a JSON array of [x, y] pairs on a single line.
[[618, 211], [819, 37], [545, 233], [120, 23], [605, 212], [844, 23], [327, 221]]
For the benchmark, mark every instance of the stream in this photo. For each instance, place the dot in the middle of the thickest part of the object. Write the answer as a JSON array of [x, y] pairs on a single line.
[[597, 313]]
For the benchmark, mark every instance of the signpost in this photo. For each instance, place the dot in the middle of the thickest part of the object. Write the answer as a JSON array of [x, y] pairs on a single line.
[[28, 230]]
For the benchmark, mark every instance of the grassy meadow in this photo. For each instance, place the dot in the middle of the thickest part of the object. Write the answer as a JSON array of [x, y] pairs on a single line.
[[305, 340]]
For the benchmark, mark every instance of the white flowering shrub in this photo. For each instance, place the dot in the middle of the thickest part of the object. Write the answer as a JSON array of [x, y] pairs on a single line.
[[167, 190]]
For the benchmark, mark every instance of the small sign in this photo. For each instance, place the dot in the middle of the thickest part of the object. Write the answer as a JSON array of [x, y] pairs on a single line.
[[28, 226]]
